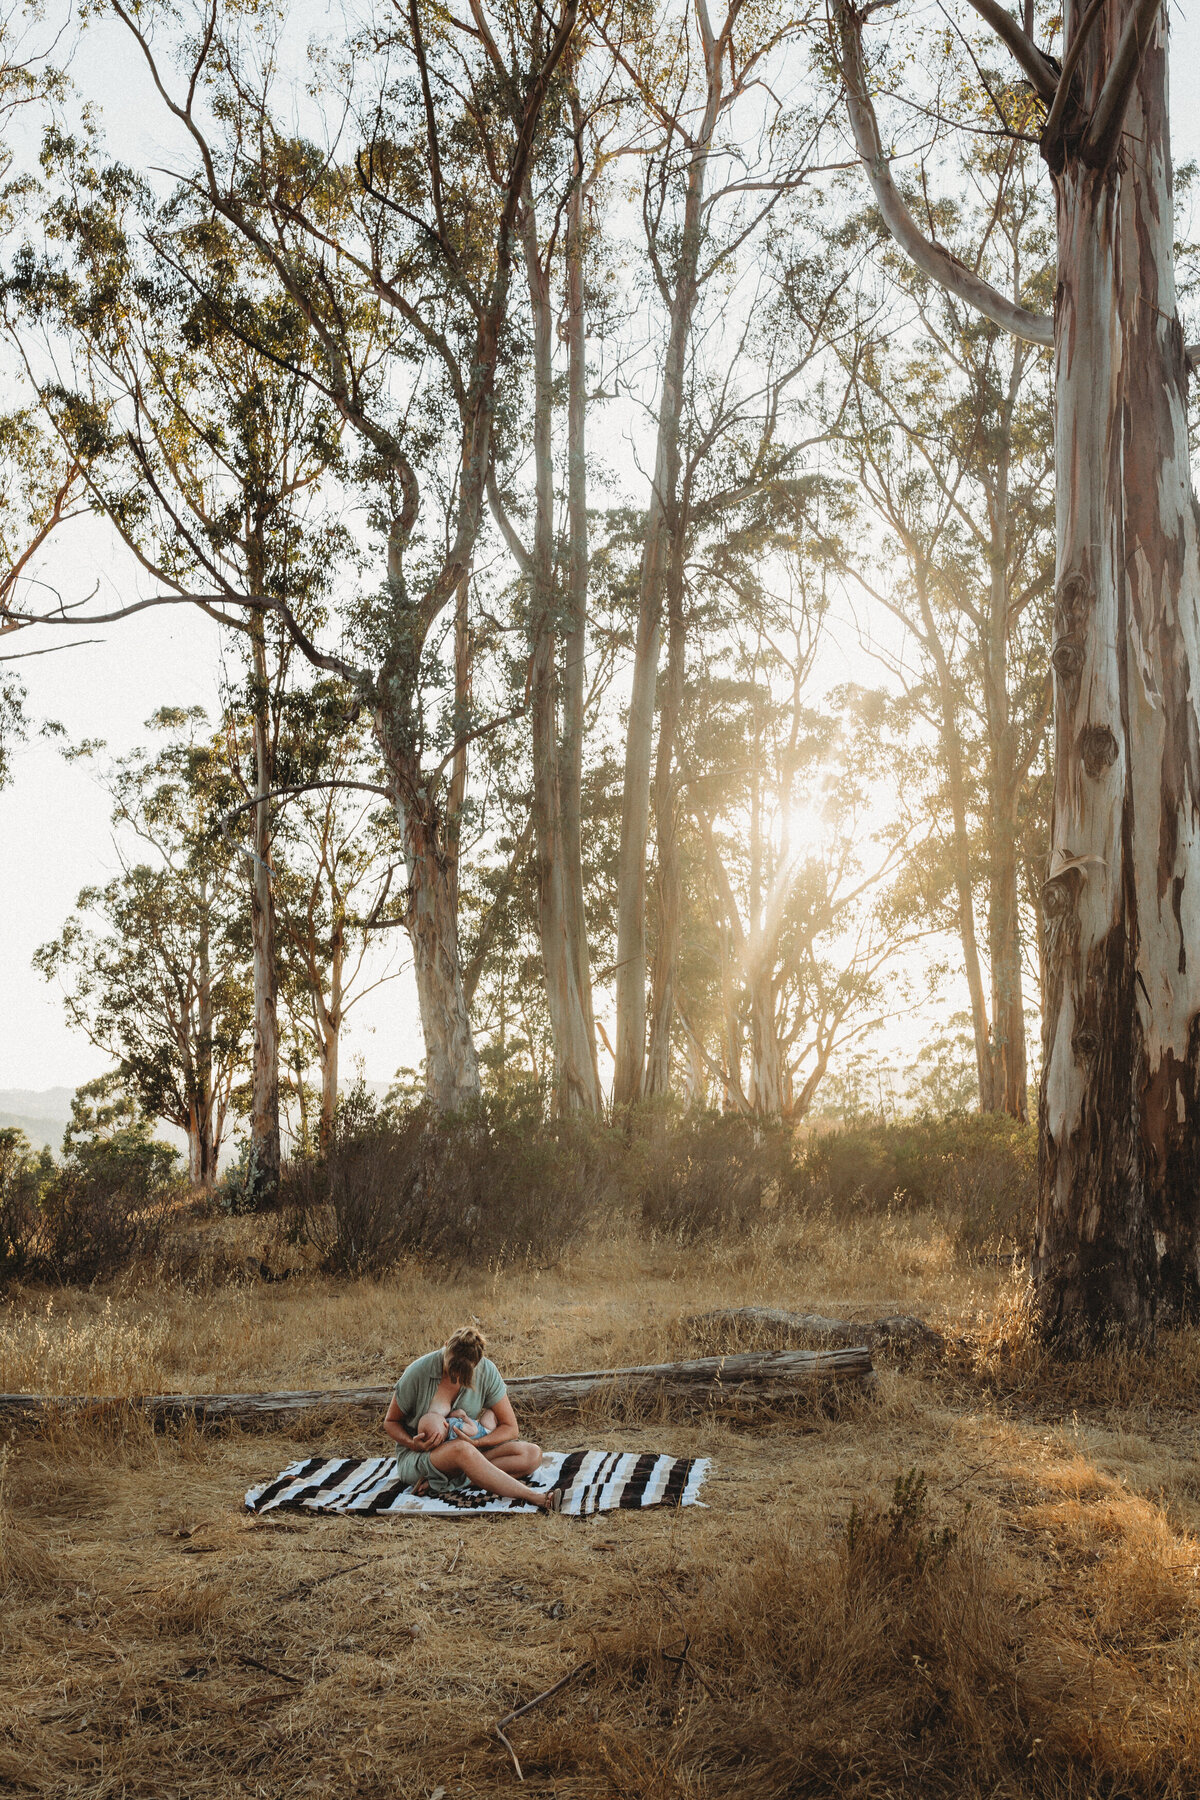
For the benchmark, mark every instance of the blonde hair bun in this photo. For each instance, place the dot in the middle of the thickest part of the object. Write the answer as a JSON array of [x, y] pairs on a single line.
[[465, 1350]]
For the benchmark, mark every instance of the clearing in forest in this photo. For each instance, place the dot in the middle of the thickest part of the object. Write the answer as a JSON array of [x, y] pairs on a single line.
[[981, 1581]]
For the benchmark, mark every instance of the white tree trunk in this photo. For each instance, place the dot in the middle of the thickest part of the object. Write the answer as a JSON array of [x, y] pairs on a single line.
[[635, 809], [1116, 1233], [576, 1081]]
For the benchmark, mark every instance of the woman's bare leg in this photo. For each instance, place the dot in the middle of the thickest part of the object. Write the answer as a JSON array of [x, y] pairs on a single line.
[[482, 1473], [517, 1457]]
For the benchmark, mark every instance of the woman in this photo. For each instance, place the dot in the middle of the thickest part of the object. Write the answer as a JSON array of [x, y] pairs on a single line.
[[441, 1402]]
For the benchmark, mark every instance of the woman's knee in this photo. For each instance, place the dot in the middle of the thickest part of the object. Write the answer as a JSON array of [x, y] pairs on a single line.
[[531, 1456]]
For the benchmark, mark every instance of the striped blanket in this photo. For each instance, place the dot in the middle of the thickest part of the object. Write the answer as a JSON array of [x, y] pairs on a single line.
[[592, 1481]]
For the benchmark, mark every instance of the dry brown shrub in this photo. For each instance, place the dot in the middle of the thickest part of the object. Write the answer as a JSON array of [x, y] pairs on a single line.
[[897, 1650], [1002, 1353]]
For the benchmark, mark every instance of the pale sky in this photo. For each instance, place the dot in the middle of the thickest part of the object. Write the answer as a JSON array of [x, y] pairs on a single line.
[[54, 829]]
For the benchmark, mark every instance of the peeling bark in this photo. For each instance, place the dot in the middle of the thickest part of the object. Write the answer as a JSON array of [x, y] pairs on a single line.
[[1117, 1223]]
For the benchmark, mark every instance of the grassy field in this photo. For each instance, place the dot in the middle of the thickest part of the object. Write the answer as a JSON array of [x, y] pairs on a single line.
[[1020, 1618]]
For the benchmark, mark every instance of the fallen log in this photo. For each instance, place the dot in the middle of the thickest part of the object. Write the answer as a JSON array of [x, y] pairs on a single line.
[[898, 1328], [761, 1375]]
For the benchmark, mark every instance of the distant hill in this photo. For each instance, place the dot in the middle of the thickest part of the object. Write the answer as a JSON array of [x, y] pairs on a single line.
[[40, 1132], [43, 1115]]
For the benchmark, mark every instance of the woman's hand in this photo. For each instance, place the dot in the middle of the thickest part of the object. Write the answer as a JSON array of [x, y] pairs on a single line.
[[431, 1432]]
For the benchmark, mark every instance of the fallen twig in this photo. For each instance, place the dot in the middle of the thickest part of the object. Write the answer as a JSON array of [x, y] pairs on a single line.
[[252, 1662], [306, 1587], [449, 1570], [528, 1706], [682, 1662]]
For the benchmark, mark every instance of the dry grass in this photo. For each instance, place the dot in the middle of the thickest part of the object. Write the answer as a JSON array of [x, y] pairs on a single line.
[[153, 1641]]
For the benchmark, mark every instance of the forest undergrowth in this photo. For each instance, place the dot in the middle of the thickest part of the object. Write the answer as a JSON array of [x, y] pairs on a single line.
[[981, 1581]]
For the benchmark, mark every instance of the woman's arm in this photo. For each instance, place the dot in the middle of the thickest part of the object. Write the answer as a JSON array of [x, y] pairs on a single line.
[[506, 1425], [393, 1424]]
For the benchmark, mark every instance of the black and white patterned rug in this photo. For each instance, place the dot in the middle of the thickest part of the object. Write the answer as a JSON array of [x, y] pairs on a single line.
[[592, 1481]]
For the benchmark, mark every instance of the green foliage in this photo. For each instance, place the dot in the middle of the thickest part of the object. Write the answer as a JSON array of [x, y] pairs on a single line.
[[12, 723], [153, 964], [21, 1178], [109, 1139], [239, 1191]]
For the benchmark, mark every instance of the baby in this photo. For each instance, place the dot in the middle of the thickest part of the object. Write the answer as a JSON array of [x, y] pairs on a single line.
[[439, 1423]]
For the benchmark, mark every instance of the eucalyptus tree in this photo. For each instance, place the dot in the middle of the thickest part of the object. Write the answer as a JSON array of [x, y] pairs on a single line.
[[40, 490], [786, 939], [336, 886], [1119, 1167], [552, 558], [725, 139], [152, 964], [950, 439], [417, 230], [37, 485], [752, 509], [210, 452]]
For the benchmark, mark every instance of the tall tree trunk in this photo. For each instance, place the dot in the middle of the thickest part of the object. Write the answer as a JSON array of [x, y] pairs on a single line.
[[1008, 1073], [660, 523], [329, 1022], [1009, 1068], [574, 650], [575, 1082], [264, 1074], [953, 761], [457, 793], [668, 887], [201, 1153], [452, 1081], [451, 1064], [766, 1059], [1116, 1229]]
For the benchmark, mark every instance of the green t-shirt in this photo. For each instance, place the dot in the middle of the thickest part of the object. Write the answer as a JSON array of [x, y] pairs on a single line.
[[417, 1387]]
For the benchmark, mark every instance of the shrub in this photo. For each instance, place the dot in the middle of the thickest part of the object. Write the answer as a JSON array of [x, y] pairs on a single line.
[[103, 1207], [396, 1181], [20, 1180], [977, 1172], [242, 1191], [705, 1173]]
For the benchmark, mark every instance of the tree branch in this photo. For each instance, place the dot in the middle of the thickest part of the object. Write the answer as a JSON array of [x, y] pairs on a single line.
[[931, 258], [291, 793], [320, 659], [1042, 73], [1070, 64], [48, 650]]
